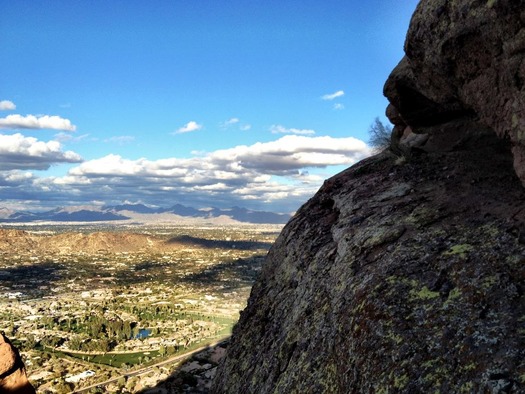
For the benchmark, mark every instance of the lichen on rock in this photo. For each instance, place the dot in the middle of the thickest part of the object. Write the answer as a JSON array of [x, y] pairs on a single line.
[[409, 276], [432, 308]]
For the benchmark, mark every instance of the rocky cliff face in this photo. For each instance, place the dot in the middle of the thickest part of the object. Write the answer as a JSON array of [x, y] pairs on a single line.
[[13, 379], [406, 272], [464, 58]]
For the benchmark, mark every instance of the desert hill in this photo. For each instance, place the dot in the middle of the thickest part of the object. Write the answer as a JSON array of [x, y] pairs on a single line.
[[13, 241]]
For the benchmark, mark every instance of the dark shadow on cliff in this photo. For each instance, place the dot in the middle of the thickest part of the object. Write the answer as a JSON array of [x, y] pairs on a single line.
[[218, 244]]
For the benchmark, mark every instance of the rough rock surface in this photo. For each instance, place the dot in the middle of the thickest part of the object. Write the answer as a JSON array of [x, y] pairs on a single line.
[[465, 57], [406, 277], [13, 379], [406, 272]]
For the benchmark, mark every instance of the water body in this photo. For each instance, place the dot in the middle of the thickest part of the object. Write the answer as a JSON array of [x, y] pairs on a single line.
[[143, 333]]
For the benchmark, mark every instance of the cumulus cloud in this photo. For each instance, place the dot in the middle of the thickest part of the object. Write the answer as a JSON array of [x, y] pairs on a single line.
[[283, 172], [34, 122], [18, 152], [333, 96], [293, 152], [338, 106], [6, 105], [15, 177], [278, 129], [253, 163], [189, 127]]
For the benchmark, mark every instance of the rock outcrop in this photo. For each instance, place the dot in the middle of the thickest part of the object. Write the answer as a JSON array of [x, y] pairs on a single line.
[[13, 379], [464, 58], [406, 272]]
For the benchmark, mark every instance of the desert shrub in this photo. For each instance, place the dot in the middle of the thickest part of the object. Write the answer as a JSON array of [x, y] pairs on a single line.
[[379, 135]]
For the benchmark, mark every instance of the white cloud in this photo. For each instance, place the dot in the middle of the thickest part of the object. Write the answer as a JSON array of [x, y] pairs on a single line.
[[121, 139], [236, 121], [283, 172], [245, 164], [17, 176], [68, 137], [110, 165], [18, 152], [34, 122], [245, 127], [338, 106], [332, 96], [231, 122], [278, 129], [6, 105], [189, 127], [292, 152]]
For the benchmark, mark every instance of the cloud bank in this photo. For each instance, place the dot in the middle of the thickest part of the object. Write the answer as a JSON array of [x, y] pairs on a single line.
[[284, 172]]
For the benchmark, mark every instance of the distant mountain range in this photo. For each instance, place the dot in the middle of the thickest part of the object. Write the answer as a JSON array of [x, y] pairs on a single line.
[[144, 213]]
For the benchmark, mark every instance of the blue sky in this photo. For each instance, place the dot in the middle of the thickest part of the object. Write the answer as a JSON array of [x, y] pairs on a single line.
[[203, 103]]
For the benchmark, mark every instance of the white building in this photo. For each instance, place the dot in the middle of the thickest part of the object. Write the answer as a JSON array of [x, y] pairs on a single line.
[[77, 378]]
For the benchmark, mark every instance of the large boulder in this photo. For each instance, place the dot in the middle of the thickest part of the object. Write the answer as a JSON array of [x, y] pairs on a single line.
[[465, 58], [406, 272], [396, 277], [13, 378]]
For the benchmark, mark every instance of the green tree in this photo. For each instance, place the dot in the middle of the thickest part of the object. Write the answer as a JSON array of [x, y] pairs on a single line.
[[162, 350], [30, 342], [379, 135], [63, 387], [121, 382]]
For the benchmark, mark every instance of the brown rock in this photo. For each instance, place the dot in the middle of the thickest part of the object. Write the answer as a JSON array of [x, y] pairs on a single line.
[[7, 357], [465, 58], [393, 115], [13, 378]]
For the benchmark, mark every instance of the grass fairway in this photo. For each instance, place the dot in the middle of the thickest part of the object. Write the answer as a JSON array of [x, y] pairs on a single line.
[[116, 359]]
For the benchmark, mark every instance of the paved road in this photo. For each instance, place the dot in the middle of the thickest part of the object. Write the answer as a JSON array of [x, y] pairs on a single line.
[[150, 367]]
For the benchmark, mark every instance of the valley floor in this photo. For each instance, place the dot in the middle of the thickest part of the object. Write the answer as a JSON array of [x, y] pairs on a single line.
[[88, 314]]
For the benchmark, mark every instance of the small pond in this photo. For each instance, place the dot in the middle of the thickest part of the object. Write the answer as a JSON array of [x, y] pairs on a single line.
[[143, 333]]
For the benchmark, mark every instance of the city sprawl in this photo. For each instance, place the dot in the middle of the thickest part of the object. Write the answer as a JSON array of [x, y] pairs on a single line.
[[118, 306]]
